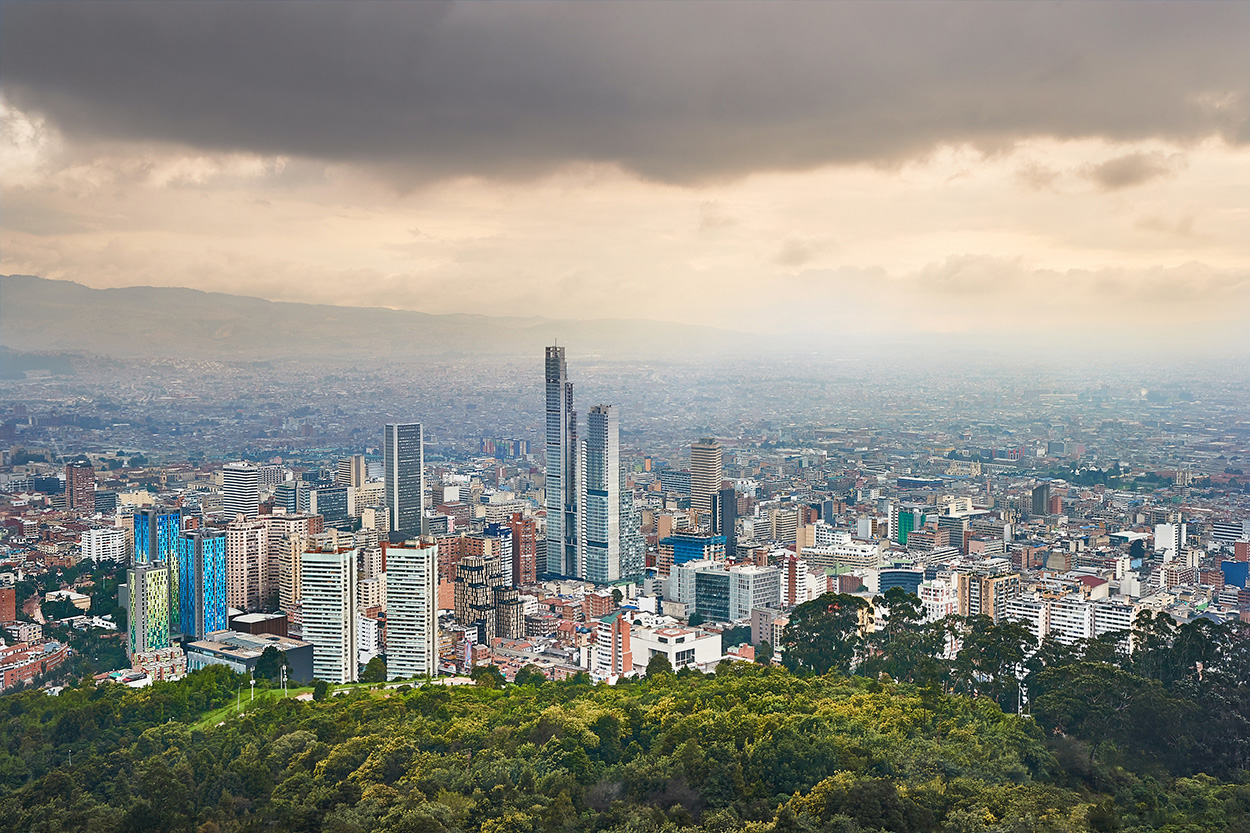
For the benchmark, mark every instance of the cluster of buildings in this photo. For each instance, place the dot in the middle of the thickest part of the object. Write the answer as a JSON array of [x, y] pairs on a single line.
[[597, 553]]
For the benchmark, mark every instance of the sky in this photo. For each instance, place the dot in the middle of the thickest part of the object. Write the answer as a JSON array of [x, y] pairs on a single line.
[[1006, 170]]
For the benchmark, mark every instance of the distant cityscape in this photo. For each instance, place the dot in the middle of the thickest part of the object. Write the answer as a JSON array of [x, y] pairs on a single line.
[[471, 531]]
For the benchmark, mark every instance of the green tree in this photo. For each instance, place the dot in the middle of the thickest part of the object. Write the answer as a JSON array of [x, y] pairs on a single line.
[[530, 674], [617, 596], [487, 676], [321, 690], [375, 671], [659, 664], [695, 620], [826, 634], [764, 653], [270, 664]]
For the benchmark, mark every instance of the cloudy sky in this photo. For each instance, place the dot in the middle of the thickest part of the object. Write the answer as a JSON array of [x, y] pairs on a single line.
[[994, 168]]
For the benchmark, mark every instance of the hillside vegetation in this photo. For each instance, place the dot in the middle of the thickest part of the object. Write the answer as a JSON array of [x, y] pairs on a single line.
[[750, 748]]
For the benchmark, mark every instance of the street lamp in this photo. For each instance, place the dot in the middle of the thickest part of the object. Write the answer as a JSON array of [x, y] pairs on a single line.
[[252, 683], [282, 673]]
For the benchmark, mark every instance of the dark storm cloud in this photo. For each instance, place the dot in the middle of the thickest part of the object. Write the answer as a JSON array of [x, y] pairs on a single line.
[[676, 92]]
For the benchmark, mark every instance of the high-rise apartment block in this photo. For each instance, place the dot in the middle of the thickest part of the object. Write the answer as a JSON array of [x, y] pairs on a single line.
[[412, 611], [240, 486], [707, 471], [148, 614], [330, 613], [80, 487], [247, 563], [156, 534], [202, 583], [403, 452], [524, 550], [561, 489]]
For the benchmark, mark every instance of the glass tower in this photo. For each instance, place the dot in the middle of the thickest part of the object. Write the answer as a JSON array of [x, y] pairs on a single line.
[[562, 466], [601, 497], [403, 451]]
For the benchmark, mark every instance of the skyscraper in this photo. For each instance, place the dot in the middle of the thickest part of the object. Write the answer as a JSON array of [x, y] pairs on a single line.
[[148, 616], [330, 612], [562, 464], [412, 611], [725, 516], [403, 451], [352, 471], [80, 486], [202, 582], [247, 563], [600, 529], [706, 473], [241, 489], [156, 534]]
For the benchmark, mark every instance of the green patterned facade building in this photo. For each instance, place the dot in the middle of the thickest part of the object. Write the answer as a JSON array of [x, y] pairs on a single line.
[[149, 607]]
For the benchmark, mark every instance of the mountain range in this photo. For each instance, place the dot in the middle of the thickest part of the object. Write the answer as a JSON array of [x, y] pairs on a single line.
[[38, 314]]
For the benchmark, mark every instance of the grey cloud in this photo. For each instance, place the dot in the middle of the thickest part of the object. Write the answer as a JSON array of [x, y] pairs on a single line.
[[1132, 169], [675, 92]]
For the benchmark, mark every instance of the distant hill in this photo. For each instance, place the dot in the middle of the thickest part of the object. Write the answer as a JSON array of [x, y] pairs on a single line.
[[37, 314]]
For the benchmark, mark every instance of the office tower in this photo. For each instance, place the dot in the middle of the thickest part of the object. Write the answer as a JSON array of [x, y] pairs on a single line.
[[292, 496], [80, 487], [412, 611], [241, 489], [725, 516], [287, 536], [1041, 499], [247, 563], [706, 474], [524, 550], [148, 616], [600, 528], [351, 471], [562, 464], [330, 613], [156, 533], [688, 545], [330, 502], [202, 583], [403, 447]]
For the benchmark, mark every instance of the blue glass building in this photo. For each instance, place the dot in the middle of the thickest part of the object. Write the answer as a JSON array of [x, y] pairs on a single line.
[[202, 582]]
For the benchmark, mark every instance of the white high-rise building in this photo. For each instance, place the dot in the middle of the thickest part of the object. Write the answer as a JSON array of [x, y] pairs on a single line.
[[412, 611], [105, 544], [707, 471], [1170, 540], [562, 468], [240, 486], [600, 528], [330, 613], [403, 452]]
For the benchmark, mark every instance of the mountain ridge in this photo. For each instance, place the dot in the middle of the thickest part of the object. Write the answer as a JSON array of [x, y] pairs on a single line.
[[41, 314]]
